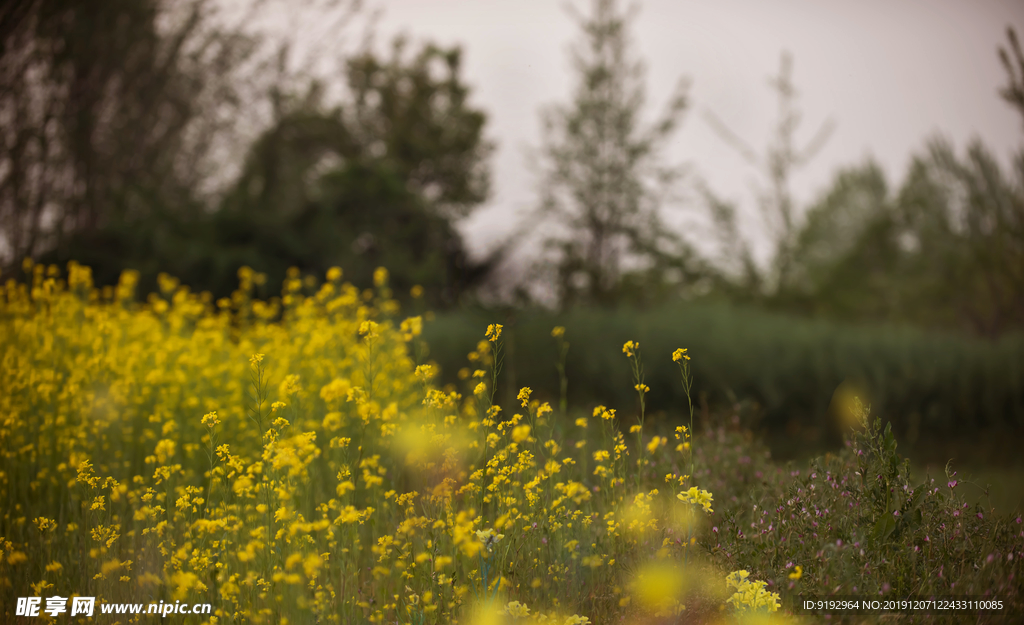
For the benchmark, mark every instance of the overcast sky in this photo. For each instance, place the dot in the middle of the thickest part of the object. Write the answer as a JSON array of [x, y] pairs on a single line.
[[890, 73]]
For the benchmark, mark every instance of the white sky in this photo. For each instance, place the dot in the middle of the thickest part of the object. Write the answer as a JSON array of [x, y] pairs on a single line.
[[890, 73]]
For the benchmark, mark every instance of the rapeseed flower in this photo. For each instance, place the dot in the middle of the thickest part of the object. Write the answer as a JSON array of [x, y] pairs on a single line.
[[210, 419], [697, 496], [489, 538], [750, 594], [380, 277], [516, 609]]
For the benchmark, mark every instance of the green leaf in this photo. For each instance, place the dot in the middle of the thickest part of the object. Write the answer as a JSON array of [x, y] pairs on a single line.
[[884, 527]]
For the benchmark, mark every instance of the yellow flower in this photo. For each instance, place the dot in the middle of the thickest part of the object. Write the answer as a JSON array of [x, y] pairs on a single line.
[[255, 359], [493, 332], [736, 578], [696, 496], [334, 274], [629, 348], [516, 609], [643, 388], [210, 419], [558, 332], [798, 572], [411, 327], [520, 433], [524, 395], [380, 277], [750, 594], [679, 355], [441, 561], [416, 292], [488, 537]]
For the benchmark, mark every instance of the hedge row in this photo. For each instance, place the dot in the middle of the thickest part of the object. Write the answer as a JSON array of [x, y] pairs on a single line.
[[925, 383]]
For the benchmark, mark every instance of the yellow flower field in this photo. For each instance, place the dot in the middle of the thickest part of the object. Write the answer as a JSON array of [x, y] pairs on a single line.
[[291, 462]]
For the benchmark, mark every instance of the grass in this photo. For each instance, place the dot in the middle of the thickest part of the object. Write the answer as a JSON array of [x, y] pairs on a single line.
[[991, 473], [995, 487]]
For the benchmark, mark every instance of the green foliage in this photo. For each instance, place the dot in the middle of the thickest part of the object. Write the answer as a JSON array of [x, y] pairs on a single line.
[[856, 524], [414, 114], [363, 217], [945, 249], [926, 383], [377, 182]]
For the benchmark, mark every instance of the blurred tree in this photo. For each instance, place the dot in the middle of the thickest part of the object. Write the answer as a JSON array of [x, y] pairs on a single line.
[[414, 115], [602, 181], [378, 181], [1013, 92], [110, 112], [969, 239], [778, 209], [845, 252], [947, 250], [115, 118]]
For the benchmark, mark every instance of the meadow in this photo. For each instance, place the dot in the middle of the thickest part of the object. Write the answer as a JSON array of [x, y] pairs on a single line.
[[299, 460]]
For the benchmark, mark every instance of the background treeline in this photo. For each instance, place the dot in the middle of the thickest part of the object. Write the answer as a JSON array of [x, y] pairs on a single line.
[[784, 376], [163, 136], [123, 127], [117, 120]]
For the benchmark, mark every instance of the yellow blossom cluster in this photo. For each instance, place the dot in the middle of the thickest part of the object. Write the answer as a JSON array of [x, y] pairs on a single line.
[[294, 460], [750, 594], [700, 497]]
